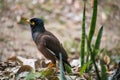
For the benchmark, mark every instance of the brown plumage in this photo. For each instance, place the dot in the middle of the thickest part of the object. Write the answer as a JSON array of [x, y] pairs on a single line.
[[46, 42]]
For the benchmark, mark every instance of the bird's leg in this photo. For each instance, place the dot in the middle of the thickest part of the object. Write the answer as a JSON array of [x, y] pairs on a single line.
[[52, 63]]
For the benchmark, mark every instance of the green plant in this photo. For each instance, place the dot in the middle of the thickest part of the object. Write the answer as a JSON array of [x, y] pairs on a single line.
[[103, 71], [45, 73], [62, 77], [91, 51], [82, 47]]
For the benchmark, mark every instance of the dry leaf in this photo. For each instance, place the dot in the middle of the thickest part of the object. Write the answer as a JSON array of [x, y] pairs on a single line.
[[86, 76], [30, 62], [92, 3], [55, 78], [3, 65], [15, 59], [75, 62], [25, 68], [40, 63], [107, 59]]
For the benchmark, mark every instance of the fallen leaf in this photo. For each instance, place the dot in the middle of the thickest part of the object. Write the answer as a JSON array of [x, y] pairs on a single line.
[[15, 59], [107, 59], [30, 62], [24, 68]]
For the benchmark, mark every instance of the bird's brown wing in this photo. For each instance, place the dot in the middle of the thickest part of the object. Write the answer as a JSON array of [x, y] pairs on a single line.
[[53, 45]]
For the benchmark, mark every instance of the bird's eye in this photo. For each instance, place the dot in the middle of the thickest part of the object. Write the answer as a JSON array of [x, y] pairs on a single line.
[[32, 23]]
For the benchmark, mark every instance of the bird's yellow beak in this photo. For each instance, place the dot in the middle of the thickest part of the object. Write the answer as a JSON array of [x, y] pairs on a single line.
[[27, 20]]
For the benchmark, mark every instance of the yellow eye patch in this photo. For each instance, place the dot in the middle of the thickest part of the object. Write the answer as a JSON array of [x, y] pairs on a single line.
[[32, 23]]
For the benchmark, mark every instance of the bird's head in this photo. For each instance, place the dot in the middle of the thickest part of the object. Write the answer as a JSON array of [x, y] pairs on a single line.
[[36, 24]]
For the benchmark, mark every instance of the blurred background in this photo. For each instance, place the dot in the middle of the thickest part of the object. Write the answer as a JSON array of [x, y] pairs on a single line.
[[61, 17]]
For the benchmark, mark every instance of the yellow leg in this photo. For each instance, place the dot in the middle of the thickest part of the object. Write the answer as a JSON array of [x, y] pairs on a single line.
[[51, 65]]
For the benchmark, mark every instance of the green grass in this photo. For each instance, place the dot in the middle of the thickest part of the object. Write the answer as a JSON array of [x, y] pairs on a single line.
[[82, 48], [62, 77], [91, 52]]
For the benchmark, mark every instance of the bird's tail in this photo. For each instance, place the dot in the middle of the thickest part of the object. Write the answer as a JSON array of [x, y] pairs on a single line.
[[67, 67]]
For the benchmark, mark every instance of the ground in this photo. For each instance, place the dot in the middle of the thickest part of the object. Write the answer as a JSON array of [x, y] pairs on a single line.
[[63, 18]]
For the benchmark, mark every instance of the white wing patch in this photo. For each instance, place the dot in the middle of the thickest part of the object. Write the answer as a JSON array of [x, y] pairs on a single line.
[[51, 51]]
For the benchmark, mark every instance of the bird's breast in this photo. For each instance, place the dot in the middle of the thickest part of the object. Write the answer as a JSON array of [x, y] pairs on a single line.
[[35, 35]]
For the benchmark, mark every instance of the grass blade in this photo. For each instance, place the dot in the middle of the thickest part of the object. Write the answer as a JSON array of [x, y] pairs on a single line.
[[92, 27], [93, 60], [98, 41], [103, 71], [93, 21], [84, 67], [62, 77], [82, 50]]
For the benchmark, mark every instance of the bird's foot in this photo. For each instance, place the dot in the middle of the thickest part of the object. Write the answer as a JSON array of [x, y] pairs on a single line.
[[50, 65]]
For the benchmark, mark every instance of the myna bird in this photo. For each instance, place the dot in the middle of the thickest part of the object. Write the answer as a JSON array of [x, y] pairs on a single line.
[[46, 42]]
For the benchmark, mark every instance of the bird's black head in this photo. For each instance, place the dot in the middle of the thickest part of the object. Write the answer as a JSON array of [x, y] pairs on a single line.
[[37, 25]]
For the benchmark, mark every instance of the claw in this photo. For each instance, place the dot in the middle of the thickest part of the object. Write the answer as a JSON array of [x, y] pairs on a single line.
[[50, 65]]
